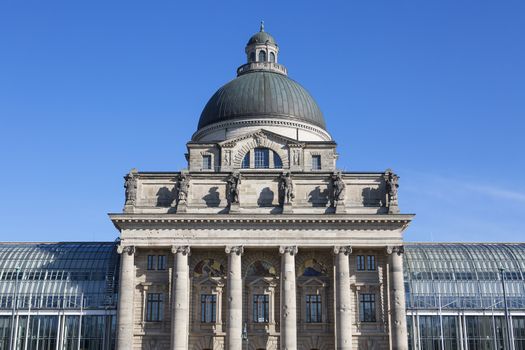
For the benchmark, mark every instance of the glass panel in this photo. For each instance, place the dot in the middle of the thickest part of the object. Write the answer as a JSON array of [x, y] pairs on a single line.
[[262, 56], [277, 162], [260, 308], [246, 161], [262, 158], [154, 307], [316, 162], [208, 308], [367, 307], [313, 308]]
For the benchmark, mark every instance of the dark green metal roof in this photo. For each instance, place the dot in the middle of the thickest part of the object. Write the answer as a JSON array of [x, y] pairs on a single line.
[[262, 94], [261, 38]]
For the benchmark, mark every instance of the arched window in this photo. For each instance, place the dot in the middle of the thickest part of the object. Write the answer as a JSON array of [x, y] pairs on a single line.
[[272, 57], [262, 56], [261, 159], [252, 56]]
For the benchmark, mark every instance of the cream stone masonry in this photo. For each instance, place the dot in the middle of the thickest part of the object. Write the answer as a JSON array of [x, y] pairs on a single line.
[[180, 296], [287, 251]]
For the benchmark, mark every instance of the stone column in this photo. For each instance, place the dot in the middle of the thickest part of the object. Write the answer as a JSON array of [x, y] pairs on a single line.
[[234, 294], [125, 301], [397, 297], [288, 299], [343, 298], [180, 304]]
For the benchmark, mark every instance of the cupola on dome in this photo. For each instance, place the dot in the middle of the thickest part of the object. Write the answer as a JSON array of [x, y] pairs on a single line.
[[262, 91]]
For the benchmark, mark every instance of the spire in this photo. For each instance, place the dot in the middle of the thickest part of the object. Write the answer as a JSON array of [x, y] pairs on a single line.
[[262, 26]]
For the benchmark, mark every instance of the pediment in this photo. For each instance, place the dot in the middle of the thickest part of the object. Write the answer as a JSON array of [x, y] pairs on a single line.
[[313, 282], [210, 281], [263, 282], [258, 136]]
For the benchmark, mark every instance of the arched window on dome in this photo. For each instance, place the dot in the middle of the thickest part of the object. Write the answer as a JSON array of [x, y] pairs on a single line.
[[252, 56], [262, 56], [272, 57]]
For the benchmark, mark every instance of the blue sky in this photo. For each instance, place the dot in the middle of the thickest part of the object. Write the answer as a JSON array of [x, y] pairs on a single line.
[[432, 89]]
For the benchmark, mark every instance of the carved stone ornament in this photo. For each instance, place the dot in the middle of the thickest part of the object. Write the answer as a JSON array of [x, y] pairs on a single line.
[[338, 188], [259, 138], [286, 188], [232, 188], [228, 157], [182, 249], [183, 186], [129, 249], [234, 249], [130, 184], [346, 250], [289, 249], [395, 249], [392, 185]]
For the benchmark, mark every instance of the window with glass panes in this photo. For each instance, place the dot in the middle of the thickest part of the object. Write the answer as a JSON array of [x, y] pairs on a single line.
[[360, 262], [208, 308], [161, 262], [154, 305], [151, 262], [367, 307], [261, 308], [313, 308], [206, 162], [316, 162], [371, 262], [246, 161], [262, 158]]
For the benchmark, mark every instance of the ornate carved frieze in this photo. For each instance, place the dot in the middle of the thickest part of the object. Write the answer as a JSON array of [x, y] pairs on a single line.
[[346, 250], [290, 249], [182, 249], [236, 249]]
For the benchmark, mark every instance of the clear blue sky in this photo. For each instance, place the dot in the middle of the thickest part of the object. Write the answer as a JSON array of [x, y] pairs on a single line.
[[433, 89]]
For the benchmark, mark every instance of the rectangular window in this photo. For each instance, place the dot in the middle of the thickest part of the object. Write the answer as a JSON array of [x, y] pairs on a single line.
[[161, 262], [208, 307], [367, 307], [360, 262], [154, 307], [206, 162], [262, 158], [260, 308], [313, 308], [151, 262], [316, 162], [371, 263]]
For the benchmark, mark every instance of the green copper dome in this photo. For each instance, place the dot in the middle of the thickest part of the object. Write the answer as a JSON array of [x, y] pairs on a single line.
[[261, 38], [262, 94]]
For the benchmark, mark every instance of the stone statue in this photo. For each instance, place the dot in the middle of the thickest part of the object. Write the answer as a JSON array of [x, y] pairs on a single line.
[[130, 184], [338, 188], [286, 189], [392, 185], [183, 186], [232, 188]]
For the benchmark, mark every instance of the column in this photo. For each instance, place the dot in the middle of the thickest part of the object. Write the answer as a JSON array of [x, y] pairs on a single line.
[[343, 298], [397, 296], [180, 291], [234, 292], [288, 299], [125, 300]]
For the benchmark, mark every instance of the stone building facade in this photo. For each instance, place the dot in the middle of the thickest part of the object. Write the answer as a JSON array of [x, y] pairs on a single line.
[[261, 243]]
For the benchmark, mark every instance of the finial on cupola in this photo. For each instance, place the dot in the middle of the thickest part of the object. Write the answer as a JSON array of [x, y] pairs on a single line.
[[262, 26]]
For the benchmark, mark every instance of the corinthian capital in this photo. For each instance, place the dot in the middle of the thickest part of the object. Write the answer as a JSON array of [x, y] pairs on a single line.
[[234, 249], [340, 249], [399, 249], [128, 249], [288, 249], [182, 249]]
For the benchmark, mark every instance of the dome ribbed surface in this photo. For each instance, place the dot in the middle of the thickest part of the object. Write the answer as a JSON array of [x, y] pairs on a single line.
[[263, 95], [261, 38]]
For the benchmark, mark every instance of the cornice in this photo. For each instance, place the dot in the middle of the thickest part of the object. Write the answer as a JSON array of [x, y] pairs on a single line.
[[148, 219]]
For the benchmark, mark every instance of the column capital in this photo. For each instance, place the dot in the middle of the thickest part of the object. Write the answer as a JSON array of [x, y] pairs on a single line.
[[340, 249], [288, 249], [234, 249], [129, 249], [395, 249], [183, 249]]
